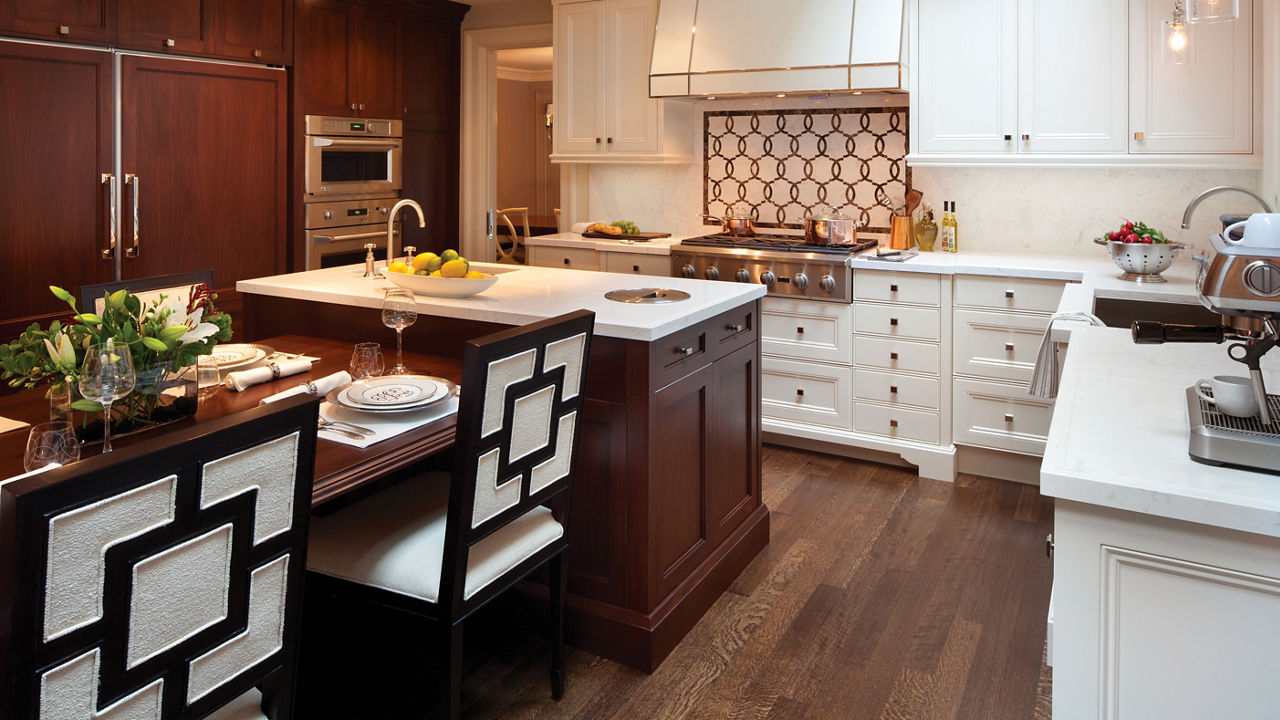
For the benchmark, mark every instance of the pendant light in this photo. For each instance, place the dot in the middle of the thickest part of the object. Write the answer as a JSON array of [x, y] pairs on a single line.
[[1213, 11], [1176, 34]]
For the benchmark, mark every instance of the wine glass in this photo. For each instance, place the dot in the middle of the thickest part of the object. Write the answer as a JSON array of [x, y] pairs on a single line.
[[208, 377], [399, 311], [106, 376], [49, 443]]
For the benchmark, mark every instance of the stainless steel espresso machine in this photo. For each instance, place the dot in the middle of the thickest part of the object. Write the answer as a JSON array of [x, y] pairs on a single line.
[[1242, 284]]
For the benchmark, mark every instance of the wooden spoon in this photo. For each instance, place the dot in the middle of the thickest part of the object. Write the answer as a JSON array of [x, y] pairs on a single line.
[[913, 201]]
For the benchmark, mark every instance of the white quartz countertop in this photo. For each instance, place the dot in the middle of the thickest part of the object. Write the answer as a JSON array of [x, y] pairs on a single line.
[[527, 294], [659, 246], [1119, 435]]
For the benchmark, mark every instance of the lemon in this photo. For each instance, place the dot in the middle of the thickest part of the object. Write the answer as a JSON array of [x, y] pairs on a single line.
[[436, 274], [434, 263], [398, 267], [423, 260], [448, 255], [420, 272], [455, 268], [475, 275]]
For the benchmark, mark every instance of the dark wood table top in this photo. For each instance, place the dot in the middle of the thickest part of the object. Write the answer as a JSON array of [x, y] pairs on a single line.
[[339, 468]]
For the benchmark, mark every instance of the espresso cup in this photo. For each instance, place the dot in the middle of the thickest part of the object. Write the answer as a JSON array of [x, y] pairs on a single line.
[[1231, 395], [1261, 230]]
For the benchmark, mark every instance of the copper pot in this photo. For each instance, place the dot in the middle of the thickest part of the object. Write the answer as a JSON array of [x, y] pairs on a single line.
[[736, 224], [829, 227]]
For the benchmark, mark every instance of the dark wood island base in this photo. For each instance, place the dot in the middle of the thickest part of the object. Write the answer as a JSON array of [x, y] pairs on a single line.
[[667, 507]]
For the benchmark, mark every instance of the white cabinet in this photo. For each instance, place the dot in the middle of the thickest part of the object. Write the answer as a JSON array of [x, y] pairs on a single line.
[[635, 263], [603, 110], [1205, 105], [564, 257]]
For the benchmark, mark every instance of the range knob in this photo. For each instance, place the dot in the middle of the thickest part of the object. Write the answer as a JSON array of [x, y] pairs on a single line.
[[688, 271], [1263, 278], [768, 279], [712, 273], [800, 280], [742, 275], [827, 283]]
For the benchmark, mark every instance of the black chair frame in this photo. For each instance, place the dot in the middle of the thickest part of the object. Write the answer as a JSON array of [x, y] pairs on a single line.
[[91, 293]]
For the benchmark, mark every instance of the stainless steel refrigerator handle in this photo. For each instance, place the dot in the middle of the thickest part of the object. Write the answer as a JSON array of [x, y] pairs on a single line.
[[110, 252], [133, 250], [326, 239]]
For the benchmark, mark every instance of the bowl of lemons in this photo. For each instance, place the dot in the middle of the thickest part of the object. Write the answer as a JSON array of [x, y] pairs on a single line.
[[445, 275]]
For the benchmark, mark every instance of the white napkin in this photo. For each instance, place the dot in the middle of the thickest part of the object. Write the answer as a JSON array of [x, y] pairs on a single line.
[[7, 425], [383, 425], [319, 388], [256, 376]]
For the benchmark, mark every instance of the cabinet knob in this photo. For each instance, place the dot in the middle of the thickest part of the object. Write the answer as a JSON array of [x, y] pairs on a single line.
[[1008, 347], [609, 140], [64, 30], [1008, 294], [1137, 136], [893, 288], [799, 331], [1008, 137], [893, 322], [635, 268], [169, 42], [893, 423], [685, 351], [1008, 417], [597, 141], [893, 389], [353, 106], [893, 356], [257, 53], [566, 261], [1025, 137], [736, 327], [361, 106], [799, 392]]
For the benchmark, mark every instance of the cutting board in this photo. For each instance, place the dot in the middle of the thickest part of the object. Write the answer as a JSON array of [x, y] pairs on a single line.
[[635, 237]]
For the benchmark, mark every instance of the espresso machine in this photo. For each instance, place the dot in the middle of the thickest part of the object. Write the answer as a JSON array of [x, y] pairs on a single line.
[[1242, 284]]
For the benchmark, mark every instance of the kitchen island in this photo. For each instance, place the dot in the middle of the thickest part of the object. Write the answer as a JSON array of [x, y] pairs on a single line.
[[1166, 598], [666, 509]]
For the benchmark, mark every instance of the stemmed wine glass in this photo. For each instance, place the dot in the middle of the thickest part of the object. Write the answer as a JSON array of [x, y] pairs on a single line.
[[399, 311], [106, 376]]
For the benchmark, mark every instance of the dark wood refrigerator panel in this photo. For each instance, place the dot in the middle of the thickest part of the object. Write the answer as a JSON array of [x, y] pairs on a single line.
[[173, 26], [79, 21], [55, 147], [431, 101], [207, 143]]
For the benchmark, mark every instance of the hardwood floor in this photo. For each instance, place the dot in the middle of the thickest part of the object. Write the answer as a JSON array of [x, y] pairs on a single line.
[[880, 595]]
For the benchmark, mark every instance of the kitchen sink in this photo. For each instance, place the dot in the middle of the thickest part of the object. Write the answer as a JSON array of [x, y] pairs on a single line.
[[1121, 312]]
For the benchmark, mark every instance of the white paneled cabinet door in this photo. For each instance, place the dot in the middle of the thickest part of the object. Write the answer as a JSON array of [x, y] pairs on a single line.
[[632, 117], [580, 77], [1204, 106], [1072, 76], [968, 76]]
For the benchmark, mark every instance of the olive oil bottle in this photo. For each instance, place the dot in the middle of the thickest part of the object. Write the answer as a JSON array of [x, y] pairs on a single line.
[[948, 229]]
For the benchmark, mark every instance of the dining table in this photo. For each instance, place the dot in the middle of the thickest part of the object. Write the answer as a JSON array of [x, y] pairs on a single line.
[[339, 468]]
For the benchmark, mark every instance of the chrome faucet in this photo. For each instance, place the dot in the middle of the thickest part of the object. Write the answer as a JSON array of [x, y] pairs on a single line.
[[1195, 202], [391, 225]]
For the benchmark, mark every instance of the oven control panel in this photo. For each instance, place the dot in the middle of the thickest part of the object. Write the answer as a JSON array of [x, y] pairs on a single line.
[[350, 126], [813, 280]]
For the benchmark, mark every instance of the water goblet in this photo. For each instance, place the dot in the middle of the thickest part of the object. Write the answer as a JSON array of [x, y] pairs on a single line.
[[399, 311], [208, 377], [106, 376], [49, 443], [366, 361]]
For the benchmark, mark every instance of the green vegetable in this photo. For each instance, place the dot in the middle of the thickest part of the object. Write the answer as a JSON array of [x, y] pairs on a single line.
[[627, 227]]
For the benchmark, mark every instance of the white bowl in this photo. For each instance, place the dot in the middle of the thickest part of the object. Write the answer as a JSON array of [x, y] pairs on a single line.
[[441, 286]]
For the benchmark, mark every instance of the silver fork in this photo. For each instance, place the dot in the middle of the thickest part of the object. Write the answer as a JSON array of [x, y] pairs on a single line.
[[345, 427]]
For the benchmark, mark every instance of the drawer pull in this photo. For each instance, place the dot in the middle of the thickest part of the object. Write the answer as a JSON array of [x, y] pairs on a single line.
[[893, 389], [799, 392], [1008, 294], [1008, 347], [893, 288], [736, 327], [685, 351], [893, 356], [799, 331], [1008, 417], [635, 268], [64, 30], [566, 261], [893, 322], [893, 423]]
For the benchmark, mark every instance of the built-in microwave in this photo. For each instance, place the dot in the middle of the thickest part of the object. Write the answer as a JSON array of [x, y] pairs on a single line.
[[349, 156]]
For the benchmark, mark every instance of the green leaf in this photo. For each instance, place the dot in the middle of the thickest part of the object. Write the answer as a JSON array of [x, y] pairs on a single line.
[[84, 405], [116, 299], [89, 318], [154, 344]]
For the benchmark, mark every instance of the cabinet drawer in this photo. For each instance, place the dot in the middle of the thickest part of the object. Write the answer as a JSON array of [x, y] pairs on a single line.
[[806, 392], [807, 330], [896, 354], [1003, 346], [896, 422], [1008, 293], [636, 263], [572, 258], [678, 354], [895, 389], [734, 329], [897, 287], [1004, 417], [898, 321]]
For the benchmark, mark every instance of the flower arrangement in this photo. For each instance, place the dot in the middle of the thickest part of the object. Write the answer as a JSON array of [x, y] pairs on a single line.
[[163, 337]]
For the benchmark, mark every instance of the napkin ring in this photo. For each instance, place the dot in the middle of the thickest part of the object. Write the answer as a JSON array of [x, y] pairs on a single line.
[[275, 370], [311, 388]]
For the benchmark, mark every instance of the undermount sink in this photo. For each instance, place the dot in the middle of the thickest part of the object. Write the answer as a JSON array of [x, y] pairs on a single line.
[[1121, 312]]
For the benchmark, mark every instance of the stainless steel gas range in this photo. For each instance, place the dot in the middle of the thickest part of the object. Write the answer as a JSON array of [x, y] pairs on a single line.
[[782, 263]]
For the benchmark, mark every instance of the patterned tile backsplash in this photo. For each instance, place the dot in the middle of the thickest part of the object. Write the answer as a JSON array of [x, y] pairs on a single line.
[[783, 164]]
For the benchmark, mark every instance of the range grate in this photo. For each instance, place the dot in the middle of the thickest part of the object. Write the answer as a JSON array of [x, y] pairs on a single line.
[[1244, 426]]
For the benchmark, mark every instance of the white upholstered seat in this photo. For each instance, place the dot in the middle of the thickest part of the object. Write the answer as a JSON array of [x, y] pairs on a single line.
[[394, 540]]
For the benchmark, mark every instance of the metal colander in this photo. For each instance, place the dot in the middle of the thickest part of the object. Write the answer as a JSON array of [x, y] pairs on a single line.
[[1142, 262]]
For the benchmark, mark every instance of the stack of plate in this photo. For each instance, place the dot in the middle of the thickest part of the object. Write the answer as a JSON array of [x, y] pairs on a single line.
[[234, 356], [392, 393]]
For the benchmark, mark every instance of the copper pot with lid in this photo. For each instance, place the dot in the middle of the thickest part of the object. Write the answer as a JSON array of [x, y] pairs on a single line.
[[828, 226], [736, 223]]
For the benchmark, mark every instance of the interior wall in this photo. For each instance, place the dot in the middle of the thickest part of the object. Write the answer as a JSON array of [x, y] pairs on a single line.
[[512, 13], [526, 178]]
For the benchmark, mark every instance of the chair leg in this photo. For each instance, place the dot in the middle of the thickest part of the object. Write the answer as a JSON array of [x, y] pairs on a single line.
[[558, 588], [451, 673]]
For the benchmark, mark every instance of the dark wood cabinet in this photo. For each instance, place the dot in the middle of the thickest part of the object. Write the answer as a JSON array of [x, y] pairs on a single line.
[[373, 81], [77, 21], [255, 31], [55, 149], [431, 118], [347, 60], [173, 26]]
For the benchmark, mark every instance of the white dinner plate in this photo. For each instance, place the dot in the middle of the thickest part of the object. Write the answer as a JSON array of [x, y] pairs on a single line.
[[394, 391], [338, 396], [237, 355]]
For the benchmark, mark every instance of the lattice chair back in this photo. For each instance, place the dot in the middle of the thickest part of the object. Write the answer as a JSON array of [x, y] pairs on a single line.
[[161, 581], [521, 408]]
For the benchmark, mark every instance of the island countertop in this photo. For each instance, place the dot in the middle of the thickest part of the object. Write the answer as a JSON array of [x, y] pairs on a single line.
[[526, 294]]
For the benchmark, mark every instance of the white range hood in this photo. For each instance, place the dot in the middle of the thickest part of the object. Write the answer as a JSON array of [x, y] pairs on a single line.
[[758, 47]]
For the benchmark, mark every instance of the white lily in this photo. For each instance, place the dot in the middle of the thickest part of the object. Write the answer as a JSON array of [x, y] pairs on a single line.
[[196, 330], [63, 354]]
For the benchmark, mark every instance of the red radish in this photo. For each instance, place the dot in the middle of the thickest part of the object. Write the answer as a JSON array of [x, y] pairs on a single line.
[[1131, 238]]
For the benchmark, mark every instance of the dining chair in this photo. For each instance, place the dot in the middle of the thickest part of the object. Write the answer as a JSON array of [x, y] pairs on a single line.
[[442, 545], [161, 581], [514, 250], [177, 286]]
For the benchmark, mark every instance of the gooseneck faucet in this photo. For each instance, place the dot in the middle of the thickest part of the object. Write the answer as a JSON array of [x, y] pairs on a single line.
[[391, 225], [1195, 201]]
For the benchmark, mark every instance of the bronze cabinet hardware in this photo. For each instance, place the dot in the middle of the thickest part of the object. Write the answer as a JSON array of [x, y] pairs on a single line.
[[1008, 417], [893, 322], [893, 423], [799, 392], [893, 356], [893, 389], [1008, 347], [109, 253], [1137, 136]]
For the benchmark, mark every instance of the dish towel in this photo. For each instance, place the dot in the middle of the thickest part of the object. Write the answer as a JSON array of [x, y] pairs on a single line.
[[1044, 378], [385, 425], [256, 376], [319, 388], [8, 425]]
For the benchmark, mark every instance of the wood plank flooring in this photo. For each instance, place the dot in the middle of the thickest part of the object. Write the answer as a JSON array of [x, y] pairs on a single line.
[[880, 595]]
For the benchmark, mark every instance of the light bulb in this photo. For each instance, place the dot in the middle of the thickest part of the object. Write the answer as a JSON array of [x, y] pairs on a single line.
[[1177, 38]]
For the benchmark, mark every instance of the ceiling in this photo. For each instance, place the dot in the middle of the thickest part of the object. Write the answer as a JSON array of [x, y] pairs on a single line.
[[526, 59]]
